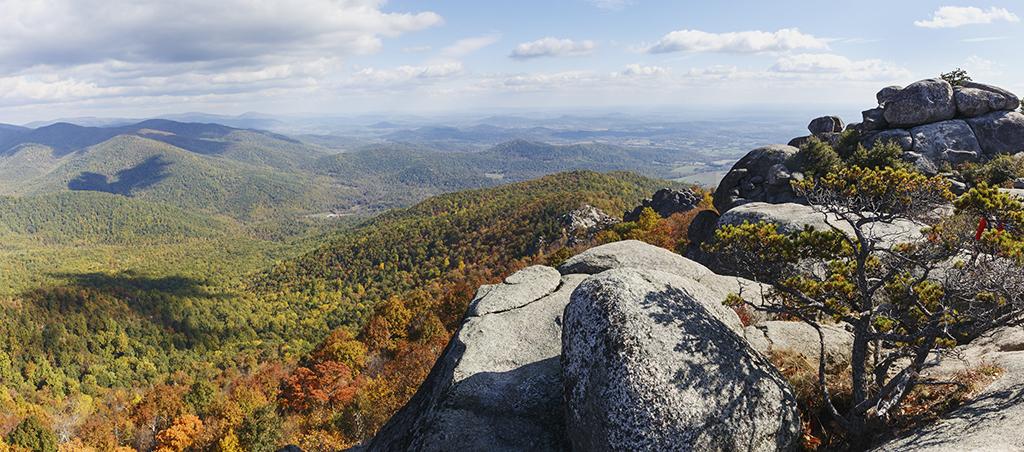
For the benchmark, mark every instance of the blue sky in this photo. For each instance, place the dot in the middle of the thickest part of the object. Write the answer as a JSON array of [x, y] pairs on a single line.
[[136, 58]]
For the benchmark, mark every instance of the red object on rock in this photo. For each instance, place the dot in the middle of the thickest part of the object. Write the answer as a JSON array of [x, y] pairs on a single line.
[[982, 225]]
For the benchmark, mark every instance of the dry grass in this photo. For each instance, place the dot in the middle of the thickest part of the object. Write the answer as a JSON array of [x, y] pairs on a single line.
[[925, 403], [802, 375]]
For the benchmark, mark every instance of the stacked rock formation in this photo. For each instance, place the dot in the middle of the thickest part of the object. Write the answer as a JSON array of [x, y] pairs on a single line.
[[936, 123]]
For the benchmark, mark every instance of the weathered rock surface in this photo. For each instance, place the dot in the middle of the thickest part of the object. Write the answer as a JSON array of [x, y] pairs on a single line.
[[636, 254], [920, 103], [951, 141], [1013, 192], [887, 93], [587, 218], [1000, 132], [976, 99], [647, 365], [799, 142], [792, 218], [825, 124], [992, 421], [583, 224], [520, 288], [701, 230], [666, 202], [873, 119], [498, 384], [932, 121], [761, 175], [801, 338]]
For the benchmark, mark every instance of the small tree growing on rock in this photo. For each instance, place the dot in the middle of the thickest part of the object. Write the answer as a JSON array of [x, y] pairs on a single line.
[[903, 301], [956, 77]]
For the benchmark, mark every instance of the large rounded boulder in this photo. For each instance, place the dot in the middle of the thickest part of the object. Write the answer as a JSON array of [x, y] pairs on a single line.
[[792, 218], [761, 175], [825, 124], [946, 141], [919, 103], [976, 99], [649, 365], [1000, 132]]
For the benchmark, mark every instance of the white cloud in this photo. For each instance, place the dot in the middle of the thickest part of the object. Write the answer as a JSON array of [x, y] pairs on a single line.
[[838, 65], [958, 16], [24, 89], [159, 50], [409, 73], [552, 47], [467, 46], [736, 42], [70, 32], [636, 70]]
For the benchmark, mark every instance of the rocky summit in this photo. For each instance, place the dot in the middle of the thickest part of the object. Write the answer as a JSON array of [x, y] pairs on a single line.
[[934, 122], [625, 346]]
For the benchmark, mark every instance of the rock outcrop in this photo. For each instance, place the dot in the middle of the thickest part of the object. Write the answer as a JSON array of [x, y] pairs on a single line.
[[1001, 132], [701, 230], [826, 128], [802, 339], [647, 365], [498, 384], [826, 124], [920, 103], [936, 122], [636, 254], [991, 421], [761, 175], [791, 218], [976, 99], [582, 224], [952, 141], [666, 202]]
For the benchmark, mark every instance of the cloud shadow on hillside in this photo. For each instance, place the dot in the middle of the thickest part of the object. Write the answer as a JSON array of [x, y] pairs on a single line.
[[125, 182]]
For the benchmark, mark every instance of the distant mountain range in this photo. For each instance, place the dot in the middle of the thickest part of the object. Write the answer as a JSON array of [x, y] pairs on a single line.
[[256, 176]]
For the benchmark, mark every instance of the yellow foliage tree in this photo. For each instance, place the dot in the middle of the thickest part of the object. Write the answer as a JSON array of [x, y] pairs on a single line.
[[229, 443]]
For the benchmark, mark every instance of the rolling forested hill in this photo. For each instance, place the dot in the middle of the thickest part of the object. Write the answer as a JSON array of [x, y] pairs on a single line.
[[277, 185], [132, 316]]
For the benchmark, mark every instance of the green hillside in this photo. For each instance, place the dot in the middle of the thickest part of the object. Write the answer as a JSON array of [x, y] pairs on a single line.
[[102, 218], [152, 170], [159, 315]]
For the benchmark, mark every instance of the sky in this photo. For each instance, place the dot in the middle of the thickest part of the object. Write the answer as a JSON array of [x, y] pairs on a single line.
[[139, 58]]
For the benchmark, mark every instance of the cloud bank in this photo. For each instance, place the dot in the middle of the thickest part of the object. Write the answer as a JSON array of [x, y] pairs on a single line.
[[736, 42], [552, 47], [959, 16]]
